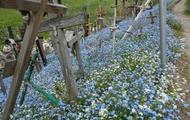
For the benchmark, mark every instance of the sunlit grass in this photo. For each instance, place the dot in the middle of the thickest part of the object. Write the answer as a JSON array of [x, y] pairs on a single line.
[[187, 11]]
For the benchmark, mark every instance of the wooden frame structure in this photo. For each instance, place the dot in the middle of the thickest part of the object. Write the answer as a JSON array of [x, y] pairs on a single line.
[[37, 10], [34, 6], [59, 24]]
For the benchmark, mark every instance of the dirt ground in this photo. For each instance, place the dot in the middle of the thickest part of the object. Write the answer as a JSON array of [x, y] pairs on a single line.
[[184, 63]]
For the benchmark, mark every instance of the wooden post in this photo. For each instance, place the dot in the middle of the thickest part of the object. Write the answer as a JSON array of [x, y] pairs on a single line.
[[78, 54], [23, 58], [65, 61], [2, 85], [41, 51], [87, 25], [95, 27], [114, 28], [151, 17], [10, 32], [100, 15], [122, 9], [100, 22]]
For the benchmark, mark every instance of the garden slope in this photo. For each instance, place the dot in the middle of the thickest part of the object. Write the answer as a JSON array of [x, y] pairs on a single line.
[[120, 86]]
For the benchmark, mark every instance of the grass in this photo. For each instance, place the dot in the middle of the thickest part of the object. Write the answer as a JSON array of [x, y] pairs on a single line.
[[13, 18], [187, 4], [176, 27], [91, 6], [8, 18]]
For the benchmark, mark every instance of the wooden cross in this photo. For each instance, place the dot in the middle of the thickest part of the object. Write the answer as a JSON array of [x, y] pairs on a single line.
[[100, 11], [151, 17], [100, 15], [76, 49], [136, 19], [59, 40], [61, 22], [61, 45], [41, 50], [63, 55], [124, 8], [2, 86], [135, 7], [88, 26], [100, 22], [37, 8]]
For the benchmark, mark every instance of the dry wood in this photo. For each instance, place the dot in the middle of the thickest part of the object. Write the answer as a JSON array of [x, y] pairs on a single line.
[[9, 68], [61, 22], [76, 38], [78, 53], [136, 19], [23, 58], [2, 86], [65, 61], [41, 51], [34, 5]]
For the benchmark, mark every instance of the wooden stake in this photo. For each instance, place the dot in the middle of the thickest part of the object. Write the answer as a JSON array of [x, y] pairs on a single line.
[[41, 51], [23, 59], [151, 17], [78, 54], [65, 61], [2, 85], [124, 8]]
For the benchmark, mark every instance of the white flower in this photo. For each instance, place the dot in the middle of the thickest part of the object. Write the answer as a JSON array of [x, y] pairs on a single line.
[[93, 104], [103, 112], [147, 90], [133, 110], [164, 98]]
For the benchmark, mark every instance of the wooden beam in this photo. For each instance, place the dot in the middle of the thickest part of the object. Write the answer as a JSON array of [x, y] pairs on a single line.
[[78, 52], [65, 62], [2, 85], [41, 51], [34, 6], [61, 22], [23, 59], [9, 68], [76, 38]]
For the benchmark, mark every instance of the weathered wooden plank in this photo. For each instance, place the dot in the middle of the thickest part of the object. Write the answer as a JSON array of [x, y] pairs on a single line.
[[9, 68], [23, 58], [79, 58], [78, 52], [61, 22], [2, 85], [75, 39], [66, 67], [41, 51], [32, 5]]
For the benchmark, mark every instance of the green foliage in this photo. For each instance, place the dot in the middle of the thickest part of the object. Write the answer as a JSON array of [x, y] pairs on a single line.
[[91, 6], [187, 11], [176, 26], [8, 18]]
